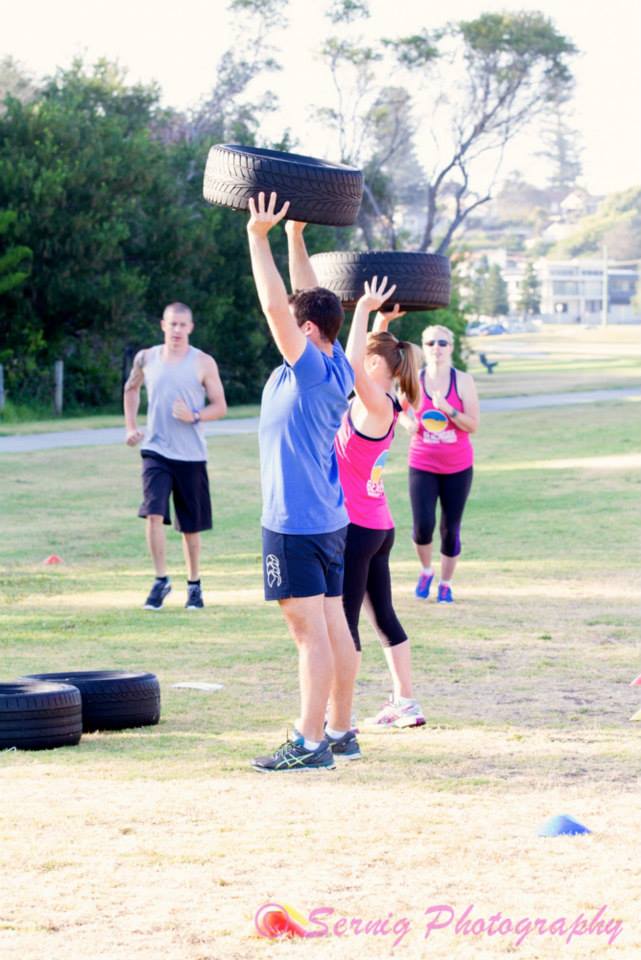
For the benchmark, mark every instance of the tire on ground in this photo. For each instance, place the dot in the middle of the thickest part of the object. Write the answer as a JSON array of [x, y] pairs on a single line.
[[318, 191], [422, 279], [113, 699], [39, 716]]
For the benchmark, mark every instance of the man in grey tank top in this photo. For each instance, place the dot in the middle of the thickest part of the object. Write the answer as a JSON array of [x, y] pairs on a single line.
[[183, 390]]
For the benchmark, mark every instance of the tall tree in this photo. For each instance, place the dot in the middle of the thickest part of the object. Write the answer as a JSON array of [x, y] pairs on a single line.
[[494, 301], [232, 109], [16, 82], [562, 149], [483, 80], [15, 261], [529, 300], [476, 284]]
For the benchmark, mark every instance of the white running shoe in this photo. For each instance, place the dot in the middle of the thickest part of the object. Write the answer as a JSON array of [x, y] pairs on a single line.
[[397, 715]]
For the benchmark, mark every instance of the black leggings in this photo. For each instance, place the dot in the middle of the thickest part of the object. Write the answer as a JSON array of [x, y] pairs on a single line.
[[367, 575], [452, 490]]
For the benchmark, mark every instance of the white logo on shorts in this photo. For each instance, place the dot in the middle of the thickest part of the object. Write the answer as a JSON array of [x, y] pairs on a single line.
[[272, 569]]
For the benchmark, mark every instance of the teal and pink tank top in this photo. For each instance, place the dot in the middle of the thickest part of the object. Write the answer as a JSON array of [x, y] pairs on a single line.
[[439, 446], [361, 461]]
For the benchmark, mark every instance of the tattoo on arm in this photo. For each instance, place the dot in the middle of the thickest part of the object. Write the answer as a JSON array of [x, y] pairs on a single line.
[[137, 377]]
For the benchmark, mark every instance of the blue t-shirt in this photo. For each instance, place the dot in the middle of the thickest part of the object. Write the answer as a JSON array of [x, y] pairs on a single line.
[[301, 411]]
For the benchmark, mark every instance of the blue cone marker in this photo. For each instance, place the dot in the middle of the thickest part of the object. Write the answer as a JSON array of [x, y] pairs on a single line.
[[561, 825]]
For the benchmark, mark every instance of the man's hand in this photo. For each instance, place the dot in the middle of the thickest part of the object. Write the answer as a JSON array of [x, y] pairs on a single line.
[[294, 228], [261, 220], [133, 437], [376, 294], [181, 411]]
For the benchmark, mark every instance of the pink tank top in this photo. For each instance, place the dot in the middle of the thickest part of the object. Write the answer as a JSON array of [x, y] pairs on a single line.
[[361, 461], [439, 445]]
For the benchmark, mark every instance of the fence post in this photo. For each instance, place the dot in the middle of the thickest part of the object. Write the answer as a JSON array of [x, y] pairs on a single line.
[[58, 376], [1, 388]]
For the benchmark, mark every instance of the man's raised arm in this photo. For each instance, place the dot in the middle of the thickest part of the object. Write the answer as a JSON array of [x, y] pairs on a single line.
[[301, 271], [290, 340]]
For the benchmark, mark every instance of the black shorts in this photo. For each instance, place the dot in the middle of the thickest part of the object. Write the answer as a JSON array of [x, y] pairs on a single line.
[[303, 565], [187, 480]]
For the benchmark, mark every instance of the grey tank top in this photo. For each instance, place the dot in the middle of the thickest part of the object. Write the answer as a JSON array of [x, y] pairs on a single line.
[[165, 383]]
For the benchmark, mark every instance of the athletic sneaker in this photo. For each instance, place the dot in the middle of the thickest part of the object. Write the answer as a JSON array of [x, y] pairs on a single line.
[[345, 747], [444, 594], [396, 715], [422, 590], [194, 597], [293, 756], [159, 590]]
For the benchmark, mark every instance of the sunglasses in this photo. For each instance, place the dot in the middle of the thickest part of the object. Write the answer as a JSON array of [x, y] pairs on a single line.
[[441, 343]]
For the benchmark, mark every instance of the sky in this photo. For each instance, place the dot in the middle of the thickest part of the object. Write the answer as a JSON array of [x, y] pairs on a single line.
[[178, 46]]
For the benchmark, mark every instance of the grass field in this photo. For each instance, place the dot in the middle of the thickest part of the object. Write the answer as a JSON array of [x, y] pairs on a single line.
[[162, 842], [558, 359]]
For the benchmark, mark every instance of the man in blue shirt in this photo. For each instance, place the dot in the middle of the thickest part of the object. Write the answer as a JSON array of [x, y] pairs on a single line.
[[304, 519]]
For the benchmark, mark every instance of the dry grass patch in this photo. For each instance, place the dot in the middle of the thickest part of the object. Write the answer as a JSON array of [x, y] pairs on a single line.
[[178, 871]]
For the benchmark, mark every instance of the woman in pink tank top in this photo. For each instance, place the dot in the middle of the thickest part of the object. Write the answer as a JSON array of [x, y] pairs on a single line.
[[440, 457], [362, 443]]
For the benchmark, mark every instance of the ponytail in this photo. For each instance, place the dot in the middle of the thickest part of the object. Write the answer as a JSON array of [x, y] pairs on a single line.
[[401, 360], [407, 372]]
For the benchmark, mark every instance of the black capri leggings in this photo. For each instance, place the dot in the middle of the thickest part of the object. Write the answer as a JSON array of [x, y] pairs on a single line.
[[452, 490], [367, 575]]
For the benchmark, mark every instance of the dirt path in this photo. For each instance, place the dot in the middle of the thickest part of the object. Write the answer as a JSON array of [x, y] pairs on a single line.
[[114, 435]]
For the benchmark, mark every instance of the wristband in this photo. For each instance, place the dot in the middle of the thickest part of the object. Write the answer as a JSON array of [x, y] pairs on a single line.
[[196, 414], [454, 414]]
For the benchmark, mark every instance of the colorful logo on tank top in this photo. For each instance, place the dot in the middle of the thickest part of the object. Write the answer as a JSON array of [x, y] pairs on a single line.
[[375, 486], [434, 421]]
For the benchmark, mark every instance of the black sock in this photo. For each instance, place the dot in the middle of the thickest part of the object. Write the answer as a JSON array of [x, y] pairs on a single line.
[[193, 583], [162, 579]]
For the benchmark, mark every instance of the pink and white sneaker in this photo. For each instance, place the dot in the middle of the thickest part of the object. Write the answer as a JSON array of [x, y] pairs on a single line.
[[397, 715]]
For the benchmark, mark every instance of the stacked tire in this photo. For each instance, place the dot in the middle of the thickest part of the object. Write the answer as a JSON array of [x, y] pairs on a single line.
[[39, 715], [48, 710]]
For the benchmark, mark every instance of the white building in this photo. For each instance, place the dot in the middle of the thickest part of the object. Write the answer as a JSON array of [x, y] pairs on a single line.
[[574, 290]]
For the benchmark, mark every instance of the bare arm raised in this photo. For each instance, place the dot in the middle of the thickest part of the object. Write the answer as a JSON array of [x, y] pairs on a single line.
[[290, 340], [301, 271], [370, 394], [383, 320], [131, 399]]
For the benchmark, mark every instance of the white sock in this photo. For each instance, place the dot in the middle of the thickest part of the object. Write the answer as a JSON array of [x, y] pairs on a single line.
[[405, 701], [446, 583], [428, 571], [311, 744], [335, 734]]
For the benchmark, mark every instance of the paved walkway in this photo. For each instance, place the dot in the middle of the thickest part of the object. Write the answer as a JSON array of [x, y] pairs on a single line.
[[113, 435]]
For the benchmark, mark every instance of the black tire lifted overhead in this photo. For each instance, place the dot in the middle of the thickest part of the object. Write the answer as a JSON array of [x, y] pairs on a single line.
[[318, 191], [422, 279]]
